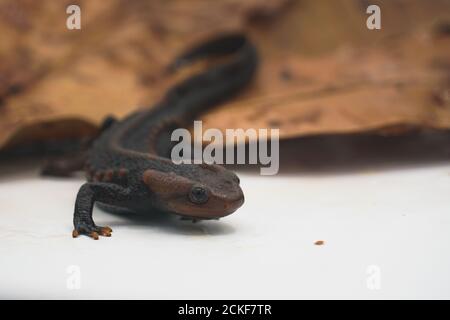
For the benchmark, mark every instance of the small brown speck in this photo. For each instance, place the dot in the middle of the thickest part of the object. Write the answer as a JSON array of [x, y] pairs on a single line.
[[319, 243]]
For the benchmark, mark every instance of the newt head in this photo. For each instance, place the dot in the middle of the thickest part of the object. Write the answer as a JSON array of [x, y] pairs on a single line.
[[195, 191]]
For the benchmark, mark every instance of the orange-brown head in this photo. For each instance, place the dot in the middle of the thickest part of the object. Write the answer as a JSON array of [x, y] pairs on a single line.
[[196, 191]]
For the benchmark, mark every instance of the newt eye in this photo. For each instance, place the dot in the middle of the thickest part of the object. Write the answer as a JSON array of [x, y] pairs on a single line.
[[198, 195]]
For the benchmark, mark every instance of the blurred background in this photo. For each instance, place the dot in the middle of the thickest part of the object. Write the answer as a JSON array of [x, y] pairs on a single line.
[[323, 72]]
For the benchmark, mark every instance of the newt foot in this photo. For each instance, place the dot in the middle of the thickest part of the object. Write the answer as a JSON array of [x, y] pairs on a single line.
[[92, 232]]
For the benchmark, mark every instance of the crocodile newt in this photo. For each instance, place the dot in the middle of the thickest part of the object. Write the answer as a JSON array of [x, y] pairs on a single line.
[[128, 165]]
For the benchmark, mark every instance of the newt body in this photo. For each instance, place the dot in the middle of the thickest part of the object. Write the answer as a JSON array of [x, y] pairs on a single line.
[[128, 165]]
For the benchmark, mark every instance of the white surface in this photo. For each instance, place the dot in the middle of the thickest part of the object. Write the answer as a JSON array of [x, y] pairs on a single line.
[[398, 220]]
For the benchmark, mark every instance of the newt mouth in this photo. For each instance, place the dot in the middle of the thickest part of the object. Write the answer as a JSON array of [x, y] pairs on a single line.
[[235, 204], [213, 209]]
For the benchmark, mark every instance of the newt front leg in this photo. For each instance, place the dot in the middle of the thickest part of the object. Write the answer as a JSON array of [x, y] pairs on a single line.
[[88, 194]]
